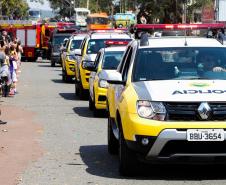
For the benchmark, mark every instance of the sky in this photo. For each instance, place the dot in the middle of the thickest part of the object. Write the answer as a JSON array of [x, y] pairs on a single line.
[[37, 5]]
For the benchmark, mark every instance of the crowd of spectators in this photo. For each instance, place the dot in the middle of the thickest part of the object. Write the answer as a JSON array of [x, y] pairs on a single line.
[[10, 62]]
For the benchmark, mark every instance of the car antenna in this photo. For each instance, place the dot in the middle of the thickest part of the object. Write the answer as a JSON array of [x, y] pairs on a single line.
[[185, 42]]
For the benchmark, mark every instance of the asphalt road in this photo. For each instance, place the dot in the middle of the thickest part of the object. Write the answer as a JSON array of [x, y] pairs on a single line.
[[74, 143]]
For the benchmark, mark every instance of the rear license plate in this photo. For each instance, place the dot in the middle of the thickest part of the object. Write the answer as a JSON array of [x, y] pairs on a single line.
[[205, 135]]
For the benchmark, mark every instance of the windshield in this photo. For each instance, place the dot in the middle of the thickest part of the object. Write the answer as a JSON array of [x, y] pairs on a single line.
[[95, 45], [75, 44], [58, 40], [112, 59], [180, 63], [97, 20], [34, 13], [82, 14]]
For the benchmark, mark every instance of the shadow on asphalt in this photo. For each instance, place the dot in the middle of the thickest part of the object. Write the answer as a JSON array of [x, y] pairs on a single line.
[[83, 112], [68, 96], [100, 163], [61, 81], [45, 65]]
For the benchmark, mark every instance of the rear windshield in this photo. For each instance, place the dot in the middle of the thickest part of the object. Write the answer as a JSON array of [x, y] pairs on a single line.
[[75, 44], [95, 45], [112, 59], [180, 63]]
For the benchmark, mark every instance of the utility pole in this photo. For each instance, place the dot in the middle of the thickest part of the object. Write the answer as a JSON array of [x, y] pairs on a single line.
[[87, 4]]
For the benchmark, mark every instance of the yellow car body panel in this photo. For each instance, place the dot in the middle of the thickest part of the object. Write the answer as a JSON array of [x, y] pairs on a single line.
[[70, 67], [111, 101], [67, 64], [84, 74], [98, 91]]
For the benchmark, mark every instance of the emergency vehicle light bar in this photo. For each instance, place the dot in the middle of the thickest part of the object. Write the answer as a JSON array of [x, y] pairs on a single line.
[[178, 26], [111, 42], [110, 30]]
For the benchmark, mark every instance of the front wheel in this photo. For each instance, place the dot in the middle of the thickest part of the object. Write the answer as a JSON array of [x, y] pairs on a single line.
[[53, 63], [128, 163]]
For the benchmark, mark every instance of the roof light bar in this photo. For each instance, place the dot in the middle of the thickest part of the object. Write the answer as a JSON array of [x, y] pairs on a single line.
[[110, 42], [120, 30], [179, 26]]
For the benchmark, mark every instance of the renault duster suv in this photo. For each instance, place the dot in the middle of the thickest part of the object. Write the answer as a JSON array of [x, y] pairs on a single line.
[[90, 46], [167, 102]]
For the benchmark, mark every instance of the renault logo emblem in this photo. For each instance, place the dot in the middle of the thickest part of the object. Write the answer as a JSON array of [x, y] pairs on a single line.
[[204, 110]]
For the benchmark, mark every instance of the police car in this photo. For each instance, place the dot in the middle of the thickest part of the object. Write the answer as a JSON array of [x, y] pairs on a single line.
[[68, 57], [107, 59], [167, 102], [91, 44]]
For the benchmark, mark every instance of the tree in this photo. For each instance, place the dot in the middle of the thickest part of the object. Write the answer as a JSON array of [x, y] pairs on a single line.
[[168, 11], [10, 8]]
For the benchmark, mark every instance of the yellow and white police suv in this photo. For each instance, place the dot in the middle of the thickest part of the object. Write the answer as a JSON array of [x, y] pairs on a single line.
[[107, 59], [167, 101], [68, 56], [91, 44]]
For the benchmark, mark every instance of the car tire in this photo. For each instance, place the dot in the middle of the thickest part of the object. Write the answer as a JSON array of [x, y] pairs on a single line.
[[128, 162], [90, 103], [63, 75], [80, 90], [76, 89], [113, 143], [96, 112], [53, 63]]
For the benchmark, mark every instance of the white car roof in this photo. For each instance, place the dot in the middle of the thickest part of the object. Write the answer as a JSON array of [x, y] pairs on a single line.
[[110, 36], [116, 48], [181, 42], [79, 37]]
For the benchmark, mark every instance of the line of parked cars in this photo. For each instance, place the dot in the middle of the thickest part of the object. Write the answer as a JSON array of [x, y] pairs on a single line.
[[164, 97]]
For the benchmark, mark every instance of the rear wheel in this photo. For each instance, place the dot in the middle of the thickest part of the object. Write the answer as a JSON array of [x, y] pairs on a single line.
[[65, 77], [76, 89], [80, 90], [113, 143], [96, 112], [90, 103]]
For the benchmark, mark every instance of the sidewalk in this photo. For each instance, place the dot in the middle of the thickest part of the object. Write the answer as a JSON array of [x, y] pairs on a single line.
[[19, 145]]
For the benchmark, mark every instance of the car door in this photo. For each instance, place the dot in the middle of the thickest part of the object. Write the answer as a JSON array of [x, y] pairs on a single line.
[[112, 93], [124, 72], [93, 74]]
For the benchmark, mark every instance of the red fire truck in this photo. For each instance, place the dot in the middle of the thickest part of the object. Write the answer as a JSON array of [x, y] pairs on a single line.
[[28, 32], [34, 36]]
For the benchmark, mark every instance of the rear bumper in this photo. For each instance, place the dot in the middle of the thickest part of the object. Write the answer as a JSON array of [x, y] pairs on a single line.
[[100, 98]]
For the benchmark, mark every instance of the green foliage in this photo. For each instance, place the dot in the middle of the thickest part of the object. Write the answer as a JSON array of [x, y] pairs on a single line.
[[14, 8], [163, 11], [11, 8]]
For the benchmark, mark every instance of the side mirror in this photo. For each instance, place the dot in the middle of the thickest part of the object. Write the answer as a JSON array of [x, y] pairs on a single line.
[[89, 65], [113, 77], [63, 49], [78, 52]]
